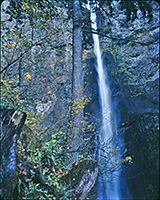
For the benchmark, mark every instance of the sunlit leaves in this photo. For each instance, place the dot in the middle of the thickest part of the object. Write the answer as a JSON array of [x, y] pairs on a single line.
[[27, 76], [128, 159], [79, 103]]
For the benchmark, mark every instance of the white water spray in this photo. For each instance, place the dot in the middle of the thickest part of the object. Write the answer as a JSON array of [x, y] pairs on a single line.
[[109, 183]]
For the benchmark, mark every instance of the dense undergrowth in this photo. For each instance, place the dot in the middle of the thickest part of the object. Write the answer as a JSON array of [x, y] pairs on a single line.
[[40, 170]]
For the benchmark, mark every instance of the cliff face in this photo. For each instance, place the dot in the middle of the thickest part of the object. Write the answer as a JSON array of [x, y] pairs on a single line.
[[137, 122], [135, 84], [132, 67], [37, 65]]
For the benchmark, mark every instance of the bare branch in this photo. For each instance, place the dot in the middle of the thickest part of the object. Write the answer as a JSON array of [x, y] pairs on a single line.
[[115, 38], [22, 54]]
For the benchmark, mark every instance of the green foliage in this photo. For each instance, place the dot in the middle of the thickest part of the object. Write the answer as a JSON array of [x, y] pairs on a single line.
[[41, 170]]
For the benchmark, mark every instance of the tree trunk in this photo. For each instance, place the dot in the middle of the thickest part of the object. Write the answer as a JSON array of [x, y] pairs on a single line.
[[11, 125], [77, 78], [81, 178]]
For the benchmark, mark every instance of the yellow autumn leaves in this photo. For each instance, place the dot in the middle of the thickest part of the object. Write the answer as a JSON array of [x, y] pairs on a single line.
[[27, 76], [78, 104], [127, 159]]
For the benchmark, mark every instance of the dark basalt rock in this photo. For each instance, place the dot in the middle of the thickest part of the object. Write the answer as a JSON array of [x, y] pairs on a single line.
[[91, 89], [137, 117], [11, 126]]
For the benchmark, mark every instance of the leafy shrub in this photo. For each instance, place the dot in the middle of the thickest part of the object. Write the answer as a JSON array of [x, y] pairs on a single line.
[[41, 170]]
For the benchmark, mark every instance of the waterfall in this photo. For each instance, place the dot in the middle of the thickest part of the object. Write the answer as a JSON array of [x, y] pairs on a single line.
[[103, 87], [108, 185]]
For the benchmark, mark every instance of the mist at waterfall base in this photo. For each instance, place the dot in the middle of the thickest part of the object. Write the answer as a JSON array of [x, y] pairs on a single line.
[[108, 183]]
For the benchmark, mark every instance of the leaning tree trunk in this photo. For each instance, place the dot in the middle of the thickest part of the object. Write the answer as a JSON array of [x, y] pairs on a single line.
[[11, 125], [77, 84]]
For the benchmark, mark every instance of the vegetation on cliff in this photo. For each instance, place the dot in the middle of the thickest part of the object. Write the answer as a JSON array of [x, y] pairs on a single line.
[[42, 46]]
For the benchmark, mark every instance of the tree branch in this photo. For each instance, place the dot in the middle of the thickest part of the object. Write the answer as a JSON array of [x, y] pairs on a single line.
[[115, 38], [22, 54]]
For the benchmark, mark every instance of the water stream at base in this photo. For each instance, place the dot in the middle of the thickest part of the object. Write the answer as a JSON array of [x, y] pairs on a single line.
[[108, 184]]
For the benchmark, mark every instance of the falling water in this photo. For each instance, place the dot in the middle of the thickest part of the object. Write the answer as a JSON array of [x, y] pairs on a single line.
[[103, 88], [108, 184]]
